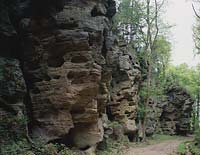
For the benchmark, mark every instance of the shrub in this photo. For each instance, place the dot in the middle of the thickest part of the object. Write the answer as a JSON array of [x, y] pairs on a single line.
[[194, 149], [197, 136], [182, 149]]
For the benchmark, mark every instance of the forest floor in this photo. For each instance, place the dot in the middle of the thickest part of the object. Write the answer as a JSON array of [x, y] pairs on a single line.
[[168, 147]]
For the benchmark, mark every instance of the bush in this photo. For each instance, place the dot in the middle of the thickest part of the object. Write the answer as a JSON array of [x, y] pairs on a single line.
[[24, 148], [197, 136], [182, 150], [194, 149], [13, 140], [15, 148], [113, 147]]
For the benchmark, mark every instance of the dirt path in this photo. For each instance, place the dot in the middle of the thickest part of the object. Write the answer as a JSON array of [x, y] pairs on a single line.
[[163, 148]]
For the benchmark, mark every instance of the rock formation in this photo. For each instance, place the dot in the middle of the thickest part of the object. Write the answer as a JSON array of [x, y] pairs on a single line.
[[73, 68], [175, 118], [154, 113], [172, 114], [60, 60], [125, 83]]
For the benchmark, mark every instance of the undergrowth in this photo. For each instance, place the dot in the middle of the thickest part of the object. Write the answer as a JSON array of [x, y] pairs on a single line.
[[14, 141], [194, 148], [190, 146], [181, 149], [113, 147]]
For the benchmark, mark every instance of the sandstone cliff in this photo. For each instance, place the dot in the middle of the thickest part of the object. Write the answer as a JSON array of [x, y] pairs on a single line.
[[63, 69], [73, 68]]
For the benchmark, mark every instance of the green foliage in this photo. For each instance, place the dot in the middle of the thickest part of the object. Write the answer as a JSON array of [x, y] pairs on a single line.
[[181, 149], [141, 111], [12, 127], [189, 79], [159, 138], [129, 20], [196, 33], [13, 140], [197, 136], [114, 124], [19, 147], [113, 147], [194, 149], [23, 147]]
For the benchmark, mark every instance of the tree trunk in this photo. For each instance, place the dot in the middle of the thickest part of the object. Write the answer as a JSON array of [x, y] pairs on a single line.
[[146, 104], [198, 109]]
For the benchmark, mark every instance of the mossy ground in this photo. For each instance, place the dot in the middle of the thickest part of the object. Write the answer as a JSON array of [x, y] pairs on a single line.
[[113, 147], [14, 141]]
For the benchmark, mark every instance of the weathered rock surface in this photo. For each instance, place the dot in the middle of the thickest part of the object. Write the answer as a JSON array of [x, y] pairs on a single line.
[[73, 71], [153, 117], [76, 73], [175, 118], [124, 87], [172, 114], [65, 70]]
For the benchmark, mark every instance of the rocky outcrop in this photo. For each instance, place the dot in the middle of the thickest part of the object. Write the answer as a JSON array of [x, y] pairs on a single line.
[[73, 67], [125, 83], [175, 118], [172, 114], [154, 113], [65, 68], [60, 60]]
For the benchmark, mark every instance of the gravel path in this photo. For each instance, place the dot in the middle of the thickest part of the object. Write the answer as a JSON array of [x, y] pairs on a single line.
[[163, 148]]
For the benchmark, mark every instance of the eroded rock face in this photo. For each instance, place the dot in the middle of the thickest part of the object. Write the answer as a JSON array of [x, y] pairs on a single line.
[[175, 118], [125, 83], [66, 70], [172, 114], [154, 113], [73, 67]]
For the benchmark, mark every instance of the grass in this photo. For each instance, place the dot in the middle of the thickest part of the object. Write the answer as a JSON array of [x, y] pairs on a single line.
[[155, 139], [182, 149], [194, 149], [13, 140], [113, 147], [160, 138]]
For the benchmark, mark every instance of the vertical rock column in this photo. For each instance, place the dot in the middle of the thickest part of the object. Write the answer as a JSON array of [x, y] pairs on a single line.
[[126, 77], [65, 69]]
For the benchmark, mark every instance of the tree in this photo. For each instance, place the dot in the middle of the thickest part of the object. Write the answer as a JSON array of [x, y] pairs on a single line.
[[188, 78], [139, 23], [152, 17]]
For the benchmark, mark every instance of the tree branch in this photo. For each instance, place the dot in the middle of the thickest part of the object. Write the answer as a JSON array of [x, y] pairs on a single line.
[[197, 15]]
